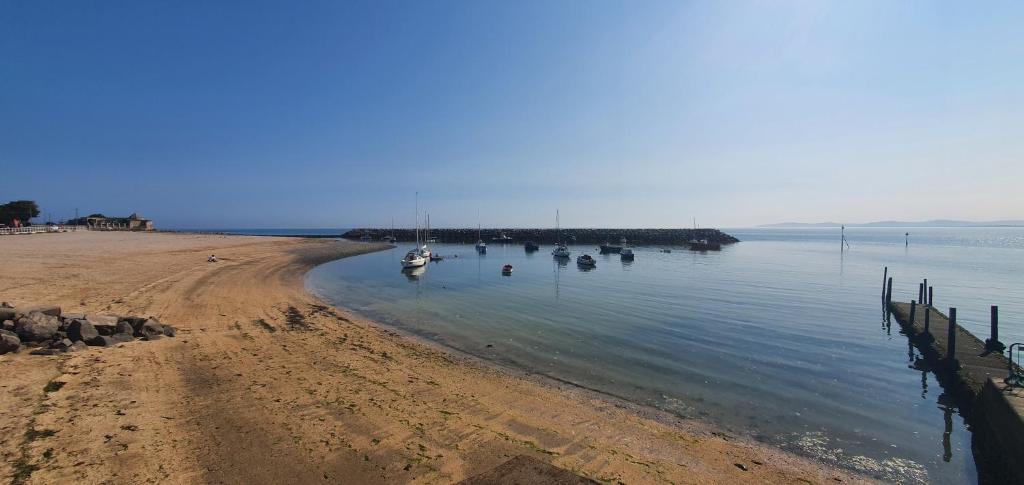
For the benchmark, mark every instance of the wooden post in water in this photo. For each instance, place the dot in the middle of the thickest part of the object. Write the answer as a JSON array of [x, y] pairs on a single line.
[[930, 301], [924, 293], [927, 323], [913, 312], [951, 340], [993, 343], [885, 276], [888, 294], [920, 292]]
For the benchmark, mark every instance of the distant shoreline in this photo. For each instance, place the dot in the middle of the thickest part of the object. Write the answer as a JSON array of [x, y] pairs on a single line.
[[895, 224]]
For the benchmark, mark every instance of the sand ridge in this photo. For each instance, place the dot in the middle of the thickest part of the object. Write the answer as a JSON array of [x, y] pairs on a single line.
[[266, 384]]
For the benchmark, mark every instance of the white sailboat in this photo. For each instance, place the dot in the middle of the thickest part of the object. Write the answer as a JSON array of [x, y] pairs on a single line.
[[481, 246], [424, 250], [413, 259], [561, 250]]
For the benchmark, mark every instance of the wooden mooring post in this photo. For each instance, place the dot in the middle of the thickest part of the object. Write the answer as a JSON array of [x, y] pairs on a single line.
[[888, 293], [951, 361], [920, 292], [885, 276], [993, 343], [931, 302]]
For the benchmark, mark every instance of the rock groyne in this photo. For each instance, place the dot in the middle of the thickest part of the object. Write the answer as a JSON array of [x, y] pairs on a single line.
[[668, 237]]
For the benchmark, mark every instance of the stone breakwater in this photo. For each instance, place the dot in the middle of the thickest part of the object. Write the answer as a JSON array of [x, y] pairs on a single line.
[[49, 332], [667, 237]]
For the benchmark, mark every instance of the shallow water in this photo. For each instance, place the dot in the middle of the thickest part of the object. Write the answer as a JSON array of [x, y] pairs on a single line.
[[780, 337]]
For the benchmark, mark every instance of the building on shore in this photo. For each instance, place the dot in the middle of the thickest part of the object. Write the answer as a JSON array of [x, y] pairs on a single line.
[[100, 222]]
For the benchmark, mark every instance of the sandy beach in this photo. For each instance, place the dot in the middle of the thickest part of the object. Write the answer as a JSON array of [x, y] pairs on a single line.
[[266, 384]]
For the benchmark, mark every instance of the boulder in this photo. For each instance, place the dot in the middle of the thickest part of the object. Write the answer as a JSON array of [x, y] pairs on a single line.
[[150, 328], [73, 316], [36, 327], [51, 310], [82, 330], [62, 344], [170, 331], [8, 314], [104, 324], [8, 325], [135, 322], [125, 327], [122, 337], [77, 346], [9, 342], [103, 341]]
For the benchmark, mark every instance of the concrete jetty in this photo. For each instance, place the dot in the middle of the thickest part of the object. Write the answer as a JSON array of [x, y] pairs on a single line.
[[975, 376]]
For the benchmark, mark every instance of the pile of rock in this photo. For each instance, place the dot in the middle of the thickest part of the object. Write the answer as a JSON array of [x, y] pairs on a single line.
[[50, 332]]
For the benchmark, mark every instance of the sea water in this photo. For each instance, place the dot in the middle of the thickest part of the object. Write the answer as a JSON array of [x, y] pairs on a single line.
[[780, 337]]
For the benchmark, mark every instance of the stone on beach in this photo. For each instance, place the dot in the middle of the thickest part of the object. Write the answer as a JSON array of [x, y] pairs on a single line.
[[9, 342], [151, 329], [82, 330], [36, 327]]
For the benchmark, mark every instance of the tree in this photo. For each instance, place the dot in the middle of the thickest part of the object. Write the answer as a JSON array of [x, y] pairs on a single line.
[[22, 210]]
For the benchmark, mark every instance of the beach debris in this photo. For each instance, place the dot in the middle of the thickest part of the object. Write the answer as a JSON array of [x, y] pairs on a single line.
[[48, 332], [741, 466]]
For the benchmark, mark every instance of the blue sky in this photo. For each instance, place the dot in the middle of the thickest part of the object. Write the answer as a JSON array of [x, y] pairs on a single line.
[[332, 114]]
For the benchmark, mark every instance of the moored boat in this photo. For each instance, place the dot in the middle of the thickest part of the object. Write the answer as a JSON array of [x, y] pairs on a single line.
[[413, 259], [560, 250], [586, 261], [626, 254], [507, 269], [608, 247]]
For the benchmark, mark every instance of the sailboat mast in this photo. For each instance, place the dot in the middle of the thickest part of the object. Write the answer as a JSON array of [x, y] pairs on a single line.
[[417, 219]]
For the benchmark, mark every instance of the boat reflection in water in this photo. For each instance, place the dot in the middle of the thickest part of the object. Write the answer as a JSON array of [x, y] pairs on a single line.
[[413, 274]]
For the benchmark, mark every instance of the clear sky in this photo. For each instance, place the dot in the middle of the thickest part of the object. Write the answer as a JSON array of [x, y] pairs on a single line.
[[643, 113]]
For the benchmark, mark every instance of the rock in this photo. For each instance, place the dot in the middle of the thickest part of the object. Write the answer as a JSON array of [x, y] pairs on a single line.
[[8, 325], [150, 328], [135, 322], [77, 346], [62, 344], [6, 305], [8, 314], [45, 352], [82, 330], [9, 342], [125, 327], [36, 327], [104, 324], [51, 310], [102, 341], [170, 331], [122, 337]]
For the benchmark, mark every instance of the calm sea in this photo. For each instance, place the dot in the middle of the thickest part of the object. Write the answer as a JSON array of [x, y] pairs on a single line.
[[780, 337]]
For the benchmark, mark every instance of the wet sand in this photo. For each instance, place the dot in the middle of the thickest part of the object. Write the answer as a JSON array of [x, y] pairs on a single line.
[[266, 384]]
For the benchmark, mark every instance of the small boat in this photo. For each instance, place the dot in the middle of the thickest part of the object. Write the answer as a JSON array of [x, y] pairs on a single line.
[[506, 270], [626, 254], [413, 259], [388, 239], [531, 246], [703, 245], [561, 250], [586, 261], [502, 239], [436, 257], [425, 252], [481, 246], [608, 247]]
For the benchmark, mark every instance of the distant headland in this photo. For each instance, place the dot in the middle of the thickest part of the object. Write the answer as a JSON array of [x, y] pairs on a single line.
[[932, 223], [551, 235]]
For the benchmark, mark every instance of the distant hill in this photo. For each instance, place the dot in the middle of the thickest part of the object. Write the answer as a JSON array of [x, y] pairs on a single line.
[[932, 223]]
